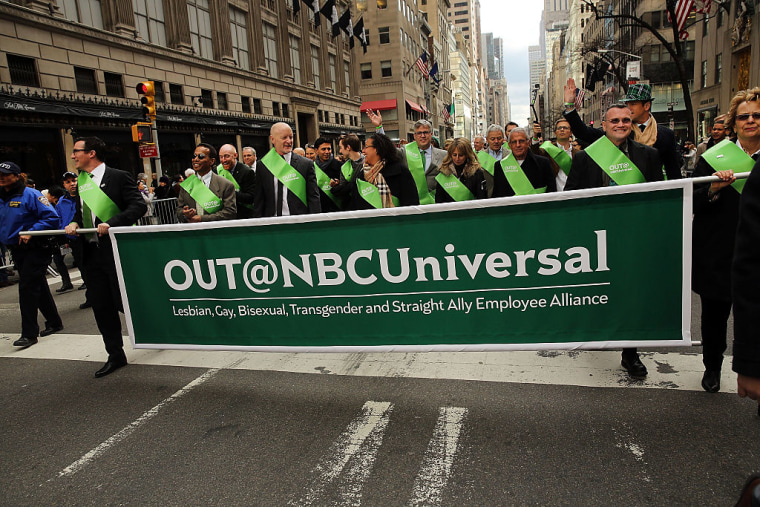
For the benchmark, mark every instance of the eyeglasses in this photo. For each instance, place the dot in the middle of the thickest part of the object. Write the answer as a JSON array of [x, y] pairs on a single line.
[[615, 121], [563, 128], [423, 133], [199, 156], [745, 117], [369, 145]]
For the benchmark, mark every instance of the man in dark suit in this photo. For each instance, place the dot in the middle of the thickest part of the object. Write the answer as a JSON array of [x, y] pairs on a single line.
[[188, 209], [272, 197], [245, 178], [119, 187], [586, 173], [645, 131], [538, 169], [331, 167]]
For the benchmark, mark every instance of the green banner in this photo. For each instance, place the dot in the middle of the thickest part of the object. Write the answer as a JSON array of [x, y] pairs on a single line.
[[416, 166], [201, 194], [517, 178], [547, 271], [560, 156], [323, 182], [455, 188], [487, 162], [614, 162]]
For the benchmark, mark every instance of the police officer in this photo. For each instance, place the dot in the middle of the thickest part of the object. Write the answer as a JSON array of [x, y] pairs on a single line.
[[26, 209]]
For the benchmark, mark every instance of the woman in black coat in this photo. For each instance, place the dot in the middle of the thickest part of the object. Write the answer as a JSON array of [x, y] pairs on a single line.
[[716, 214], [461, 162], [385, 181]]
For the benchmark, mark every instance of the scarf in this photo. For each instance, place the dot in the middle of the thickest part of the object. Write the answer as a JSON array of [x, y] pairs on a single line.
[[649, 135], [373, 175]]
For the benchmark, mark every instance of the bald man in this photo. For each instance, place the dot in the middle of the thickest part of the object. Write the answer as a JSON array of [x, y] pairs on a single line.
[[285, 181], [241, 176]]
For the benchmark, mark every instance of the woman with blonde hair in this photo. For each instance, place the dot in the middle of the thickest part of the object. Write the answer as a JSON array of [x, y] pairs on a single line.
[[460, 177]]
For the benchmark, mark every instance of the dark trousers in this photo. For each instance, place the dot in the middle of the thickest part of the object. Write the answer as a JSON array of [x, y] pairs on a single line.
[[60, 266], [33, 290], [77, 251], [714, 322], [103, 289]]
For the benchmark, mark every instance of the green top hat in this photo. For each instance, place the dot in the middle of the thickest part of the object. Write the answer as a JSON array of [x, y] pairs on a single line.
[[639, 92]]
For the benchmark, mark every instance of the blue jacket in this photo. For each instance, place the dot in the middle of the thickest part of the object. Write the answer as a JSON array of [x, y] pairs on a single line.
[[66, 208], [24, 209]]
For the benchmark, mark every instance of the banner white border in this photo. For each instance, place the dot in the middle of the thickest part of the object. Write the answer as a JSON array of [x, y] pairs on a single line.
[[685, 184]]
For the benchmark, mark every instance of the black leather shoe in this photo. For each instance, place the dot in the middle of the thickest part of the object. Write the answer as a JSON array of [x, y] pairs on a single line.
[[711, 381], [24, 342], [65, 288], [50, 330], [109, 367], [84, 305], [634, 366]]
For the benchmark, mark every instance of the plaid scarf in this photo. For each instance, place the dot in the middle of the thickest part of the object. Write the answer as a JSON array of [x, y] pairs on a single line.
[[373, 175]]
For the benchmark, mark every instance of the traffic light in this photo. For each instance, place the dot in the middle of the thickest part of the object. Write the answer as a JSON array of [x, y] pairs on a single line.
[[142, 133], [148, 99]]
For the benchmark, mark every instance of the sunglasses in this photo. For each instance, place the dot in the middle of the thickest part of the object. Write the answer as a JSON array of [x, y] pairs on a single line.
[[199, 156], [615, 121], [745, 117]]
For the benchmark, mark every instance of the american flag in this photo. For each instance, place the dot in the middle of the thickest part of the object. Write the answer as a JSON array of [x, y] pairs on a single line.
[[446, 114], [579, 94], [421, 64], [682, 10]]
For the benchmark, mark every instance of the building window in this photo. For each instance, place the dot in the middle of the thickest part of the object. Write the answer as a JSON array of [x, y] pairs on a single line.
[[333, 85], [200, 28], [719, 17], [239, 29], [158, 86], [342, 119], [23, 71], [208, 98], [114, 85], [245, 104], [366, 70], [384, 33], [276, 108], [346, 77], [689, 50], [270, 49], [295, 58], [257, 106], [149, 21], [327, 116], [706, 26], [315, 66], [718, 68], [175, 94], [87, 12], [85, 79], [704, 73], [366, 35], [221, 101], [319, 115], [285, 111], [385, 69]]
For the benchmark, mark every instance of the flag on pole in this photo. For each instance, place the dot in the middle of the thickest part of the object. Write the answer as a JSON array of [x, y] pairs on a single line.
[[682, 10], [314, 5], [446, 113], [579, 94], [421, 64], [433, 72], [703, 6], [347, 26], [359, 33], [329, 11]]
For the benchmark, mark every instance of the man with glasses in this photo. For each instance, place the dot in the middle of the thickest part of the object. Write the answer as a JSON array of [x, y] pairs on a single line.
[[559, 152], [645, 131], [598, 166], [205, 196], [424, 160], [106, 197]]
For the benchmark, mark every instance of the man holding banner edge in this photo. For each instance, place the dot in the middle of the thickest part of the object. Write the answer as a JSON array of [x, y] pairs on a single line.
[[612, 160]]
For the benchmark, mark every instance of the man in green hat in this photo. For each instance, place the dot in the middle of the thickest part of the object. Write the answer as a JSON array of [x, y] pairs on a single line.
[[645, 128]]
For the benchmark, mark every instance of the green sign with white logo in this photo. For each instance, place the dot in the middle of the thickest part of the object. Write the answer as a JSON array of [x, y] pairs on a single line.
[[590, 269]]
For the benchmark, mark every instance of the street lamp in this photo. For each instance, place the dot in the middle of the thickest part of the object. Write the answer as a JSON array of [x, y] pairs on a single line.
[[617, 51]]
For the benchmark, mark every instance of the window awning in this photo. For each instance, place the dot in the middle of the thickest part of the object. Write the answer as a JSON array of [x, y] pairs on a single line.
[[426, 109], [415, 106], [378, 105]]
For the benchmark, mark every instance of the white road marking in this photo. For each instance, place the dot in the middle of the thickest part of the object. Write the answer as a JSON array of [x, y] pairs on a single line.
[[133, 426], [439, 458], [357, 447]]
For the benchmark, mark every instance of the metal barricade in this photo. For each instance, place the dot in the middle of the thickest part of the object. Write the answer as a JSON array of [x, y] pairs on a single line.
[[161, 211]]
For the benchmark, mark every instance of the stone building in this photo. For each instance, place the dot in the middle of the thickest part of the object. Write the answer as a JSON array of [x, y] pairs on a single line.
[[224, 72]]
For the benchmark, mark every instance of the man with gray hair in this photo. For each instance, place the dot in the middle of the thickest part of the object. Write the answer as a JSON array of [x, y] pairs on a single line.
[[423, 160], [489, 157], [478, 143], [521, 172], [249, 157]]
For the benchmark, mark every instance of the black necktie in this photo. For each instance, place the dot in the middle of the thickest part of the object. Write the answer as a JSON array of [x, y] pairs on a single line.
[[642, 127], [280, 191]]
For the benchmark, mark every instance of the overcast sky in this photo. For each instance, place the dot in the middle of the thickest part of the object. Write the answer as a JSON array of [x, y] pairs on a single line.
[[517, 22]]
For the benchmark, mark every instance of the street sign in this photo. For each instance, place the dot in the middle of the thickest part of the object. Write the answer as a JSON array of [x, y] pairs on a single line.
[[148, 151], [633, 69]]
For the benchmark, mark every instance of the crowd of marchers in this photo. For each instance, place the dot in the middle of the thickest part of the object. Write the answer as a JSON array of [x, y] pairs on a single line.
[[631, 147]]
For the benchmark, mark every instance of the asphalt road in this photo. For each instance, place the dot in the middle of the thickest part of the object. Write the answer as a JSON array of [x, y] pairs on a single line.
[[154, 434]]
